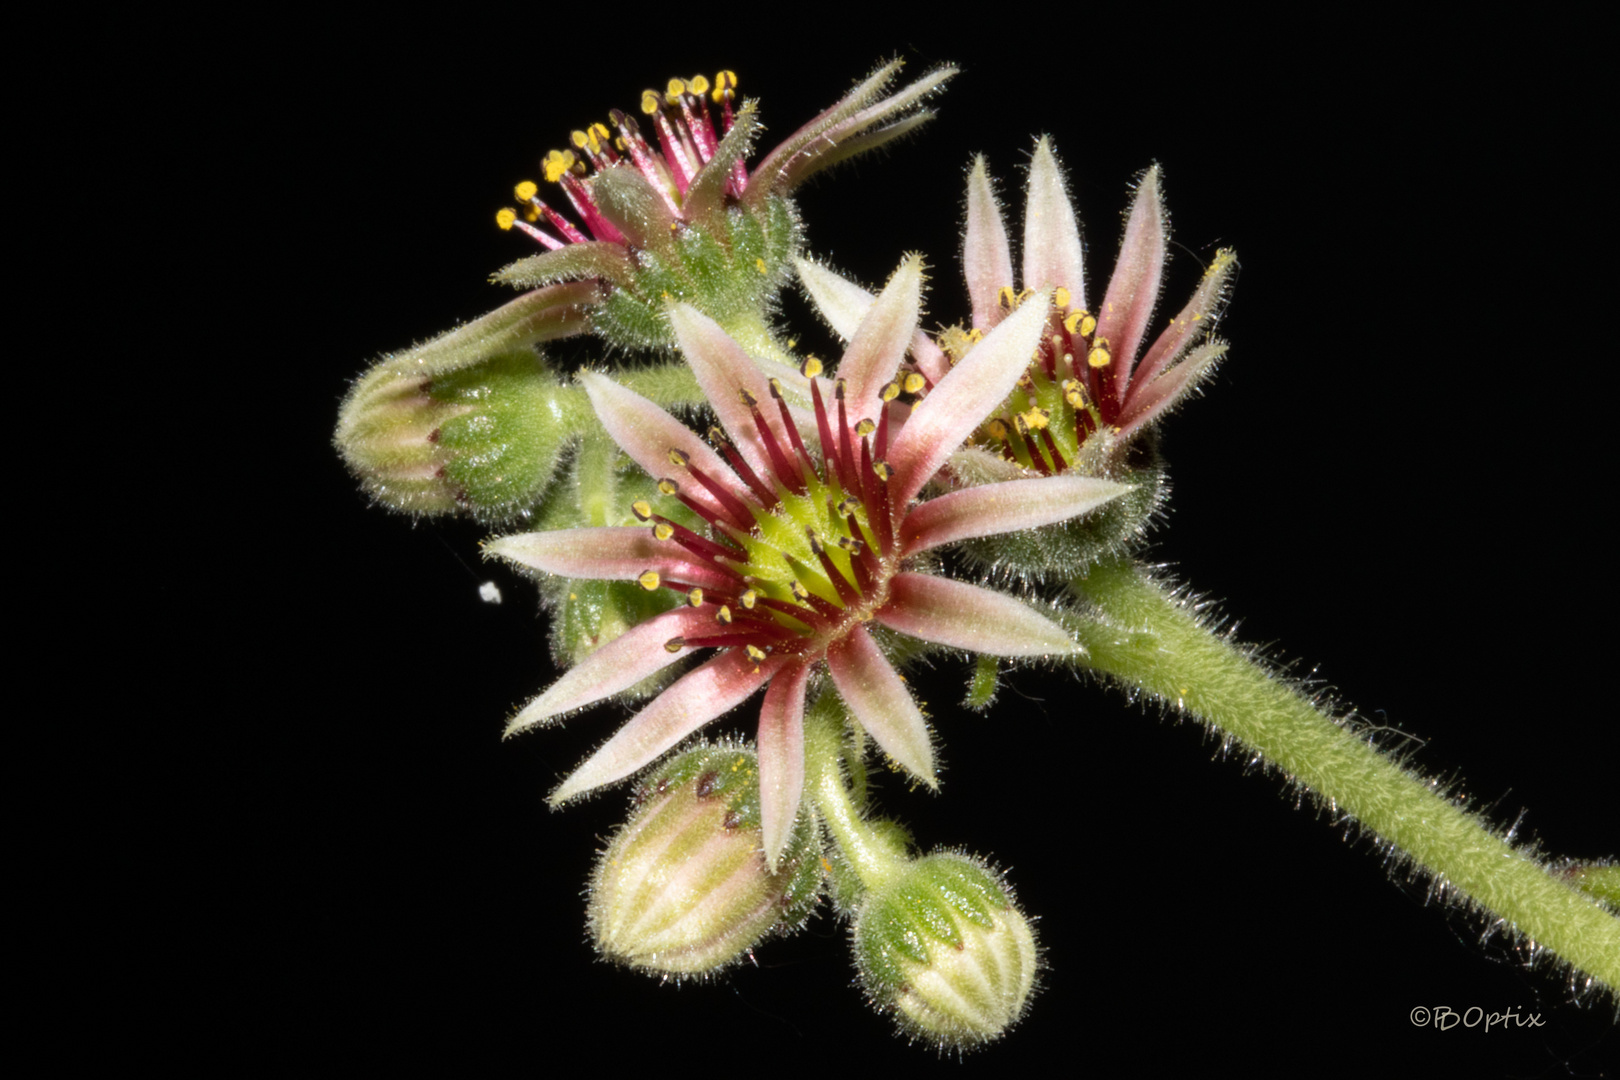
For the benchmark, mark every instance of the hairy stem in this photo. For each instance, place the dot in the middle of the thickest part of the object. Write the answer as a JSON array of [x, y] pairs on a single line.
[[872, 855], [1141, 636]]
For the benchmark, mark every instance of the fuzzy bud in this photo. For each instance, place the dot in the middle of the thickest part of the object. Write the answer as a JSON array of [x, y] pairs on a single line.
[[945, 949], [682, 889], [484, 438]]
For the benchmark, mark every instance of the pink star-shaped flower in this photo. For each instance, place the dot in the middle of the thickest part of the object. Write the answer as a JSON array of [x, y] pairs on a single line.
[[811, 531]]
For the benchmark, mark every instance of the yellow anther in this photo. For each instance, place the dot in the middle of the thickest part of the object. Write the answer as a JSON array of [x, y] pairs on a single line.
[[642, 509], [698, 85], [850, 544], [525, 191], [663, 530], [648, 580], [914, 383], [679, 458], [747, 599], [746, 398], [1036, 418], [1061, 297], [1073, 394], [667, 486], [1007, 298], [695, 597], [674, 89], [723, 616], [838, 389], [800, 593], [650, 102], [881, 468], [864, 428], [505, 218], [725, 85], [891, 391], [997, 427], [759, 264], [556, 163], [530, 213], [776, 388], [1099, 357], [815, 541], [755, 653], [975, 335], [810, 368], [849, 505], [1020, 425], [598, 134], [675, 644], [579, 139]]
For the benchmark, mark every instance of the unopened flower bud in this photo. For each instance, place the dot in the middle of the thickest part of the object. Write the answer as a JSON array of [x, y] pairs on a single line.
[[682, 889], [945, 949], [484, 438]]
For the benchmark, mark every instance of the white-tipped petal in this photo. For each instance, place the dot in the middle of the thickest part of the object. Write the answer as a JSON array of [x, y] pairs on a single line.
[[964, 397], [879, 699], [986, 255], [881, 340], [1052, 250], [692, 701], [616, 666], [965, 616], [781, 759], [991, 509], [839, 300], [647, 433], [723, 370], [610, 553], [1123, 317]]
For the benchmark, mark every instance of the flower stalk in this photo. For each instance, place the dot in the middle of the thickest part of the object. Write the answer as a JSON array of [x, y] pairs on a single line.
[[1138, 634]]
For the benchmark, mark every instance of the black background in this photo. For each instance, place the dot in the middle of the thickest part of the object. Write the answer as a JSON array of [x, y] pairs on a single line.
[[312, 854]]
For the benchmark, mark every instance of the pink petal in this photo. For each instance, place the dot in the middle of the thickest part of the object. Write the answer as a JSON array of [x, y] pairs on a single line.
[[648, 433], [1163, 393], [616, 666], [965, 616], [986, 257], [881, 340], [613, 553], [1199, 316], [1052, 251], [990, 509], [723, 369], [692, 701], [961, 400], [844, 304], [781, 759], [1126, 308], [767, 171], [879, 699]]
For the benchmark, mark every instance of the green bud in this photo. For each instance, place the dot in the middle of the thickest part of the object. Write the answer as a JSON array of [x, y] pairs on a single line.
[[682, 889], [485, 437], [944, 948]]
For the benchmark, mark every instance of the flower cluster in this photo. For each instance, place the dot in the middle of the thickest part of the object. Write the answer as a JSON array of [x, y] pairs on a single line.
[[803, 540]]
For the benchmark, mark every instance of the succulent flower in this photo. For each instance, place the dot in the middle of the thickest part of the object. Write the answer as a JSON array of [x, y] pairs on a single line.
[[785, 554], [1086, 378], [675, 213]]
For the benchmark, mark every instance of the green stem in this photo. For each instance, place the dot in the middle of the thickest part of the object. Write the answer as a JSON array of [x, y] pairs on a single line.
[[1141, 636], [872, 855]]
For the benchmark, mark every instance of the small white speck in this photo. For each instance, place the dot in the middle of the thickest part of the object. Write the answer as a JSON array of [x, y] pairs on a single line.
[[490, 592]]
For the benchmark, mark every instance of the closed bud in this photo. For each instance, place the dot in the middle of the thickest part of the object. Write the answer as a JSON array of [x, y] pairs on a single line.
[[944, 948], [484, 438], [683, 889]]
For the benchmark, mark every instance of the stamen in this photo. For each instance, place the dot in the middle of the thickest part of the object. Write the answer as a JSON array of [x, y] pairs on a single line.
[[723, 616], [735, 508], [642, 509], [695, 597], [792, 429], [914, 383], [829, 449], [748, 598], [675, 644], [786, 472], [648, 580]]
